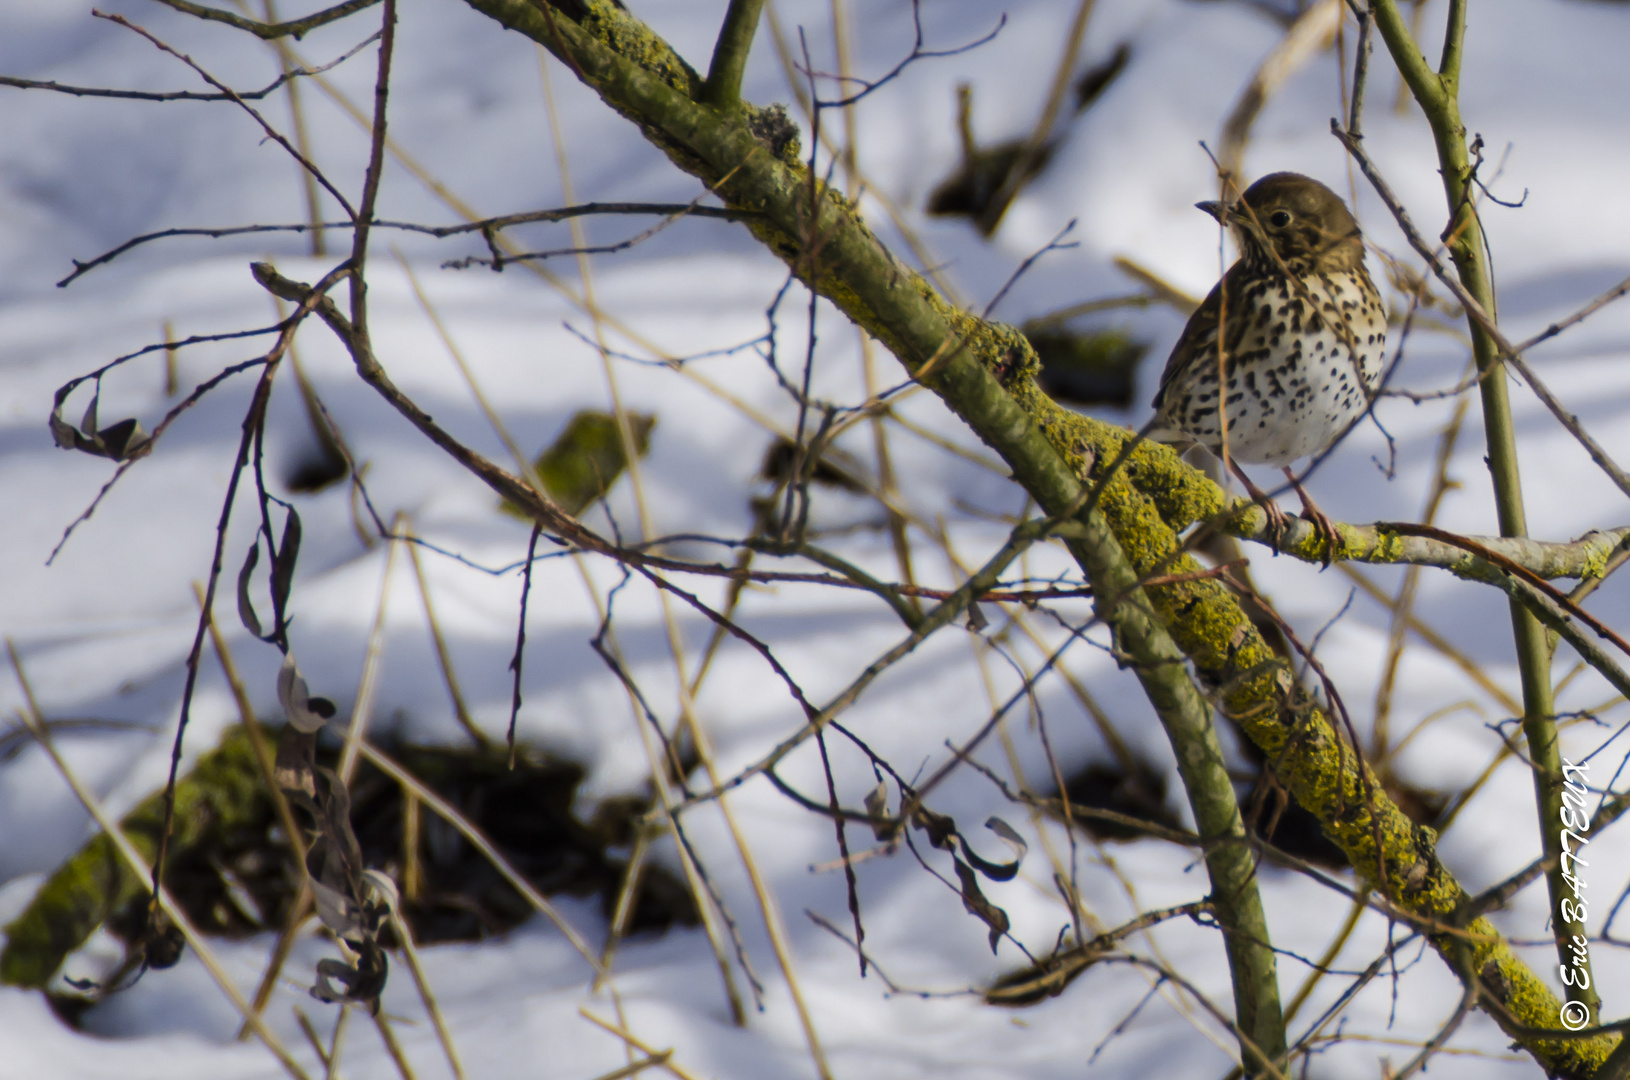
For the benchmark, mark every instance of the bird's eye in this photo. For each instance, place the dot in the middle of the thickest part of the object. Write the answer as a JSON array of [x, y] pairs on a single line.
[[1279, 218]]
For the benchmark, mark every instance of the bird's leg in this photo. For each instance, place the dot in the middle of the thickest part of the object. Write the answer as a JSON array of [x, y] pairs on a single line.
[[1322, 525], [1277, 521]]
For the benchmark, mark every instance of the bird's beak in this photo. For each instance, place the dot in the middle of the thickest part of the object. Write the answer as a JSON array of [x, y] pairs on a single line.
[[1215, 209]]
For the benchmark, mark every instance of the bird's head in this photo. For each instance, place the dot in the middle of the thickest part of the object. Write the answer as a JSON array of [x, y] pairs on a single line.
[[1296, 218]]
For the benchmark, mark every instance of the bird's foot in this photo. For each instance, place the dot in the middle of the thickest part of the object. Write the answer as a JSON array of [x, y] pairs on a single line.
[[1323, 527], [1278, 525], [1278, 522]]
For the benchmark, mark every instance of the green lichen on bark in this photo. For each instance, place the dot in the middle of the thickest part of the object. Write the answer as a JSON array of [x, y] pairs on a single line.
[[224, 791], [1596, 562], [631, 38]]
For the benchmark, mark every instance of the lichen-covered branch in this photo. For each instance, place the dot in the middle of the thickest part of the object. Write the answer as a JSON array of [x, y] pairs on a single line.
[[985, 373], [1187, 496]]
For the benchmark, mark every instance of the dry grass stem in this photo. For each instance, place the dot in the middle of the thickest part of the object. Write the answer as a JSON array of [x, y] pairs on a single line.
[[367, 686], [665, 1056]]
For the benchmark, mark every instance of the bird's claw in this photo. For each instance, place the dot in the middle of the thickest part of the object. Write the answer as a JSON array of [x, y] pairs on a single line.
[[1323, 527], [1278, 525], [1325, 530]]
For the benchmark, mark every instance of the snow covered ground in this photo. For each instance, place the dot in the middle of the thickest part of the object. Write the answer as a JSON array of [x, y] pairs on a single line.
[[104, 630]]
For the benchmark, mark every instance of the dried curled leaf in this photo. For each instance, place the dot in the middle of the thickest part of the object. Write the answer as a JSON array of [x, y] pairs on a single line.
[[306, 713], [246, 607], [363, 980], [941, 828], [1015, 843], [942, 833], [122, 441], [283, 566], [996, 870], [974, 900], [349, 900], [352, 902], [282, 580]]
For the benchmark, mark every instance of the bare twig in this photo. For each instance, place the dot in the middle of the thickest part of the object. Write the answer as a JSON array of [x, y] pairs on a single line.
[[940, 616], [918, 52], [1030, 260], [486, 227], [520, 639], [252, 422], [124, 466], [187, 95], [1510, 566], [295, 28]]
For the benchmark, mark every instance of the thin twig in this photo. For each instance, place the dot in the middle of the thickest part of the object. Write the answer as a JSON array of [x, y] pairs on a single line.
[[1510, 566], [520, 640], [362, 707], [666, 1056], [410, 953], [295, 28], [444, 658], [486, 226], [917, 53], [1030, 260], [187, 95]]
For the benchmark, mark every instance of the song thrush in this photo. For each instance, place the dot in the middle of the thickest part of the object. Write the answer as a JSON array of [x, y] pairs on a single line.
[[1302, 330]]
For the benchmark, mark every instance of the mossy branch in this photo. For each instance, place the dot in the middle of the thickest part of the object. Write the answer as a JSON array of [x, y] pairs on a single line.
[[985, 373]]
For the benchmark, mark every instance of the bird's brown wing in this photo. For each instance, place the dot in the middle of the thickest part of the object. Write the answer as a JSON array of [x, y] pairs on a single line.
[[1199, 337]]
